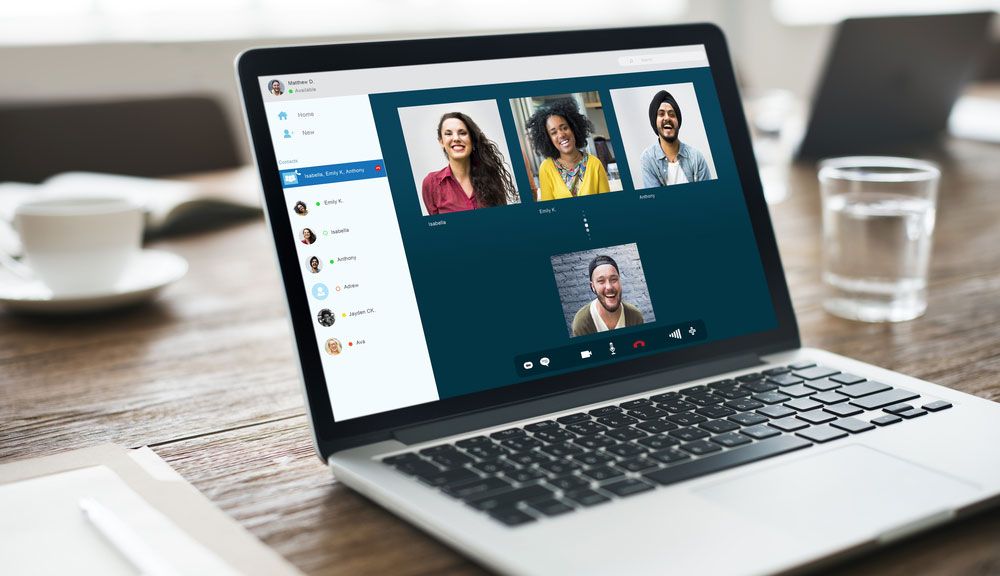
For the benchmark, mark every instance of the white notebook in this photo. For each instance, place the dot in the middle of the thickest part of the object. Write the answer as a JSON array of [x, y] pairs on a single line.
[[43, 529]]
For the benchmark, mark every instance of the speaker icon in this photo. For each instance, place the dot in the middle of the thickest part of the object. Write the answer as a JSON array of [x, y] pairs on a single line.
[[676, 334]]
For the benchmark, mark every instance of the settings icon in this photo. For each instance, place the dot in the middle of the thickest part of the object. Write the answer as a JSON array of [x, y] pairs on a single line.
[[692, 331]]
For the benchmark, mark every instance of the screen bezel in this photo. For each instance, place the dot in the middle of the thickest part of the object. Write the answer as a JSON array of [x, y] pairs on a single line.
[[332, 436]]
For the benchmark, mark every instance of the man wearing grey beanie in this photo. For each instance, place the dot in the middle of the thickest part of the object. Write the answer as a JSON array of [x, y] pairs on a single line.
[[670, 161]]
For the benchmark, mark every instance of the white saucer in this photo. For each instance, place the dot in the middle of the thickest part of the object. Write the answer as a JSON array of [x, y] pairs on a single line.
[[151, 271]]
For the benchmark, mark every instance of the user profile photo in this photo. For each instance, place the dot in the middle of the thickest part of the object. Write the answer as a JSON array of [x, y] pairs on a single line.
[[333, 347], [300, 208], [325, 317], [567, 146], [314, 264], [602, 289], [664, 135], [458, 156], [308, 236], [276, 87]]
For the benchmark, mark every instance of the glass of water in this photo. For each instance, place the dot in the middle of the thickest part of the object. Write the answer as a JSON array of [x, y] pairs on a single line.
[[878, 222]]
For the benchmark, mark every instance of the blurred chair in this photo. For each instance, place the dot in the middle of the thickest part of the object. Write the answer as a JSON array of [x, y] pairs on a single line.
[[149, 137]]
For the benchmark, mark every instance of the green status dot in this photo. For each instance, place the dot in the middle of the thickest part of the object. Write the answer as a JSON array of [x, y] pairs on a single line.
[[317, 203], [331, 261]]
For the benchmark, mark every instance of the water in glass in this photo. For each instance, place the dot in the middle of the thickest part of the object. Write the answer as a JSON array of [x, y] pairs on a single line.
[[877, 248]]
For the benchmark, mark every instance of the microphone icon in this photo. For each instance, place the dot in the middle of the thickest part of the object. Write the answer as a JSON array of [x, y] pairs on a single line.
[[611, 347]]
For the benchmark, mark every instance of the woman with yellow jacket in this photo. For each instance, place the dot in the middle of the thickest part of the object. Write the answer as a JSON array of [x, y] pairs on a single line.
[[559, 131]]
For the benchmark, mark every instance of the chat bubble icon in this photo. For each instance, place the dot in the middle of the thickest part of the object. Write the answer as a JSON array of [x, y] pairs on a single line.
[[528, 365], [544, 361]]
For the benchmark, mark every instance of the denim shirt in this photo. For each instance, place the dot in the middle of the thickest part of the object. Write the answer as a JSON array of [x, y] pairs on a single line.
[[654, 165]]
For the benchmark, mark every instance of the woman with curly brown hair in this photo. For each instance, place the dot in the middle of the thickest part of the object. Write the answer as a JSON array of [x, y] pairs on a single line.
[[559, 131], [475, 176]]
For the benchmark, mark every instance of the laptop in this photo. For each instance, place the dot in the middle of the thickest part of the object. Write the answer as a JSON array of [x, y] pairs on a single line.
[[562, 365], [896, 91]]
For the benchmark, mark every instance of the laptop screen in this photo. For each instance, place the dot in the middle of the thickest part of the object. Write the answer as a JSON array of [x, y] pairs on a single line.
[[466, 226]]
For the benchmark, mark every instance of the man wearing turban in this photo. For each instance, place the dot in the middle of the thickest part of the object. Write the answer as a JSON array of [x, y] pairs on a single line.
[[670, 161]]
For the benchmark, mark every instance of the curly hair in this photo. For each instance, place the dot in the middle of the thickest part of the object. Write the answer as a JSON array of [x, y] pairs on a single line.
[[492, 183], [581, 126]]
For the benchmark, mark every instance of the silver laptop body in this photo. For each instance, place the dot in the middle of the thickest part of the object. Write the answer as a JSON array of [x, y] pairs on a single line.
[[696, 435], [801, 509]]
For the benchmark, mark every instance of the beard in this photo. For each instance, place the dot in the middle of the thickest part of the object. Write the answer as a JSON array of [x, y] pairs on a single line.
[[671, 139], [603, 301]]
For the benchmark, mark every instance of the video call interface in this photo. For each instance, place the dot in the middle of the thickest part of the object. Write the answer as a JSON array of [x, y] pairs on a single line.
[[460, 238]]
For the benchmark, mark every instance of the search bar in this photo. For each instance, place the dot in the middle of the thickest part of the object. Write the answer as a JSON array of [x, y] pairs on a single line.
[[662, 58]]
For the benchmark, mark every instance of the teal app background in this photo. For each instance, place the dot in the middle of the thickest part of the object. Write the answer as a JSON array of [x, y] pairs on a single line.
[[484, 282]]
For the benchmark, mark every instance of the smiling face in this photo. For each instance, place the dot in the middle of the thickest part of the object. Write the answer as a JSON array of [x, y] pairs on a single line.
[[666, 122], [561, 134], [606, 284], [455, 139], [276, 87]]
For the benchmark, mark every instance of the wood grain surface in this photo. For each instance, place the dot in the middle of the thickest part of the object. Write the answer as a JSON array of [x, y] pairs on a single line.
[[206, 376]]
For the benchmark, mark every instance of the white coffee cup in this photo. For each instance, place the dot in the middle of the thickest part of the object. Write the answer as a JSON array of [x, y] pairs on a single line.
[[79, 245]]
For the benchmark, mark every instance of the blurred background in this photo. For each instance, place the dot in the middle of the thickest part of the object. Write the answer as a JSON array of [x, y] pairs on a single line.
[[170, 62]]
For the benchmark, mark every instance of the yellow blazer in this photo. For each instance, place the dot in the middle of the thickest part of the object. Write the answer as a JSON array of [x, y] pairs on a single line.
[[595, 180]]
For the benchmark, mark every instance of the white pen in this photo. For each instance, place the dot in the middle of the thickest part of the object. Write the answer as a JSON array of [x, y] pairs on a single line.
[[127, 542]]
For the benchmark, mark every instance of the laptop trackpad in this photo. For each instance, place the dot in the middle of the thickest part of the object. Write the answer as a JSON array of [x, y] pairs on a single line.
[[848, 492]]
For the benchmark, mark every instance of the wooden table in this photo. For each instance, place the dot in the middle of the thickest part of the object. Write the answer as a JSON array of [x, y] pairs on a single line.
[[207, 378]]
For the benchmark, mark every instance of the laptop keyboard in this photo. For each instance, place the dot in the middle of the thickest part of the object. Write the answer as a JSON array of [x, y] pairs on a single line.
[[559, 466]]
